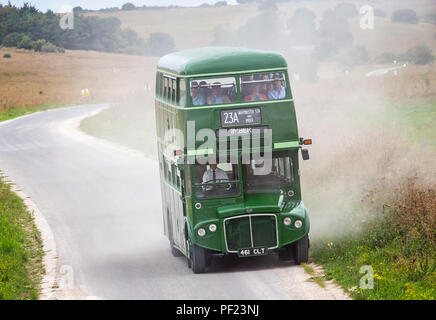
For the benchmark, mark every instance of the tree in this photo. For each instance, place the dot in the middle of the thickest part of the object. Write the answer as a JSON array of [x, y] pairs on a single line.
[[159, 44], [405, 16], [12, 39], [221, 4], [264, 31], [302, 27], [128, 6], [420, 55], [334, 33], [25, 43], [353, 56], [385, 58], [267, 5], [224, 35], [346, 10], [379, 13], [38, 44], [89, 33]]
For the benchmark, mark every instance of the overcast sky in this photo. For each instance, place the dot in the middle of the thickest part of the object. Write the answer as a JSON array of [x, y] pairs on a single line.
[[55, 5]]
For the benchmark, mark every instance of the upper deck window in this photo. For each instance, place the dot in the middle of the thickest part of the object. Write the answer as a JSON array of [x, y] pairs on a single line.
[[263, 86], [167, 87], [182, 93], [213, 91]]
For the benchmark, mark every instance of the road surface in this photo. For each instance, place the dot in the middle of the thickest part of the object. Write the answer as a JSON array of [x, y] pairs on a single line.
[[102, 203]]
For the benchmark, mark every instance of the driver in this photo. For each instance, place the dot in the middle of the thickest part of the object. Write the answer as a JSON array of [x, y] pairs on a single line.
[[214, 174]]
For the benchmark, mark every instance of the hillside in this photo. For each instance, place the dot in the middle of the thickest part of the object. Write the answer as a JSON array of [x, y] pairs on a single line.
[[195, 27]]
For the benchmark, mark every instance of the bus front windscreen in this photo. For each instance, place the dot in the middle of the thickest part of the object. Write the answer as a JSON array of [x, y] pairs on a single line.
[[281, 173], [216, 180]]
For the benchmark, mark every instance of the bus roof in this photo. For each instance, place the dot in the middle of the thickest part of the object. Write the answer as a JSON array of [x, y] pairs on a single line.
[[216, 60]]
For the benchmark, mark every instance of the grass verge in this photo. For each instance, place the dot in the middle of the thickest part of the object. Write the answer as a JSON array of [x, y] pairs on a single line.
[[21, 253], [394, 254], [18, 112]]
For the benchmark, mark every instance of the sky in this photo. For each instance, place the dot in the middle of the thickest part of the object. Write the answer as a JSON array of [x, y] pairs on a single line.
[[56, 6]]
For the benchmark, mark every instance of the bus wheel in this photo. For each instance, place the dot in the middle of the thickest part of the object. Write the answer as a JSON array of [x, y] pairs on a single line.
[[302, 250], [198, 259], [209, 257], [175, 252], [188, 253], [286, 253]]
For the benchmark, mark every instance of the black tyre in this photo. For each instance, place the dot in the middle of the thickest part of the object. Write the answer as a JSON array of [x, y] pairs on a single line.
[[174, 251], [286, 253], [302, 250], [209, 257], [198, 259]]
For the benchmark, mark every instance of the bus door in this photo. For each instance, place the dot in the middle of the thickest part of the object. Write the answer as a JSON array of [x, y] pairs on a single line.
[[179, 219], [174, 200]]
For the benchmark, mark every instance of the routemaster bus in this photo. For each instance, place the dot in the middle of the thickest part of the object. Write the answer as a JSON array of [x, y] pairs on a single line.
[[228, 149]]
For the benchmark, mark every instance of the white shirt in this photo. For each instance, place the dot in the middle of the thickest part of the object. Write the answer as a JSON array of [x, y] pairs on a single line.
[[273, 94], [220, 175]]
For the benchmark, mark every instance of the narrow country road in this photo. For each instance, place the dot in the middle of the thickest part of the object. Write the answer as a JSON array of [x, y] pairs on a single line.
[[102, 203]]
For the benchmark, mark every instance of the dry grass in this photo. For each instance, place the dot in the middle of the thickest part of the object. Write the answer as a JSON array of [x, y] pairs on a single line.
[[32, 79], [412, 211]]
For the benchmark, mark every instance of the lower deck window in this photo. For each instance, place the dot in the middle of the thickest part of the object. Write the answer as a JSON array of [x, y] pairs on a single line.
[[281, 174]]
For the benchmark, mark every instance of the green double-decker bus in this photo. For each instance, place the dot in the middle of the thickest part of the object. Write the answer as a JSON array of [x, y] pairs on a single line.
[[228, 148]]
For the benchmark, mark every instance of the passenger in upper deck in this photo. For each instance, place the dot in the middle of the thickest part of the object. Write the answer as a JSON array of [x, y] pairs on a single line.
[[278, 91], [204, 89], [255, 94], [217, 96], [264, 86], [197, 98], [244, 89]]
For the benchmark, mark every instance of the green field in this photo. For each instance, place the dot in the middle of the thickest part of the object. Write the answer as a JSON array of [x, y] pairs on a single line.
[[21, 253], [417, 117]]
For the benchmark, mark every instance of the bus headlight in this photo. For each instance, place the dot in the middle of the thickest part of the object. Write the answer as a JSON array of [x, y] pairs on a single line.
[[198, 206], [212, 227], [287, 221], [201, 232], [298, 224]]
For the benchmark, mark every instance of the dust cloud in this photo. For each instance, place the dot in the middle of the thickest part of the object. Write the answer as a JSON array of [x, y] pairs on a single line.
[[357, 138]]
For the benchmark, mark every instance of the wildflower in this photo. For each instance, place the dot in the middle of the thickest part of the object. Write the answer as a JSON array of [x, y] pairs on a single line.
[[377, 276]]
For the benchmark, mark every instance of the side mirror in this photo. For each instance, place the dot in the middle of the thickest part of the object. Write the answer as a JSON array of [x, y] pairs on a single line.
[[305, 154]]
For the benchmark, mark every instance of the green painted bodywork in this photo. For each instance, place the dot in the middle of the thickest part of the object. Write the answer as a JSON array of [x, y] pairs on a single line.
[[223, 60], [178, 202]]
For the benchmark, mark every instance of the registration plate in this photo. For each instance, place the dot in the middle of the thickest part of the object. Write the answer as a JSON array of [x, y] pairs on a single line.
[[241, 117], [250, 252]]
